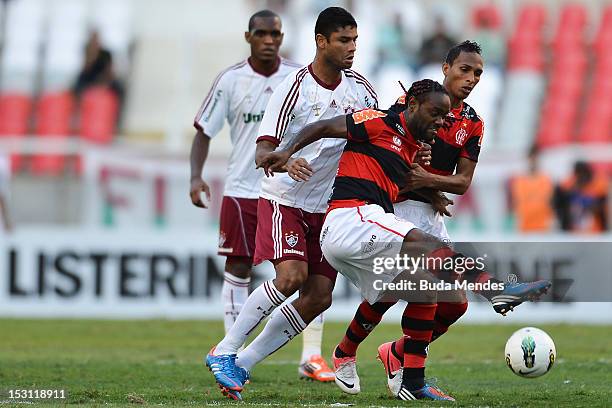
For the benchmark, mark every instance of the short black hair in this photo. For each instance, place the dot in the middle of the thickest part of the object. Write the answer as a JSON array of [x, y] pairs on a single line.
[[333, 18], [419, 89], [261, 14], [466, 46]]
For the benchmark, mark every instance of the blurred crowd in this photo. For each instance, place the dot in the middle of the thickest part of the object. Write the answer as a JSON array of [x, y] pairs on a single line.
[[578, 204]]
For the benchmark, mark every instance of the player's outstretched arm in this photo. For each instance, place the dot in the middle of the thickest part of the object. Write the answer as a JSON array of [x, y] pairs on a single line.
[[276, 161], [198, 155]]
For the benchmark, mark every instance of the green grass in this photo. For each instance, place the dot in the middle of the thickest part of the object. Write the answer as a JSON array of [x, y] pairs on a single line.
[[159, 362]]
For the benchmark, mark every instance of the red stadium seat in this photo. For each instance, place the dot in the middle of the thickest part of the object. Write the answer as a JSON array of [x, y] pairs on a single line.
[[572, 16], [54, 119], [15, 112], [553, 134], [526, 41], [99, 111], [532, 60], [531, 15], [486, 16], [54, 114]]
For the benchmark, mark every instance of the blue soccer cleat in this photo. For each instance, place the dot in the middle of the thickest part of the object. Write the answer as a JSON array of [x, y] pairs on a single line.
[[516, 293], [428, 392], [226, 373], [231, 394]]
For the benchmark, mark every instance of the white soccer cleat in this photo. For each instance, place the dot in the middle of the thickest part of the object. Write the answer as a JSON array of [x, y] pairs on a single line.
[[345, 369], [393, 367]]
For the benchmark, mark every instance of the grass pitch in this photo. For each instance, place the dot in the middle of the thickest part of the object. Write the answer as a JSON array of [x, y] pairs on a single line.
[[160, 363]]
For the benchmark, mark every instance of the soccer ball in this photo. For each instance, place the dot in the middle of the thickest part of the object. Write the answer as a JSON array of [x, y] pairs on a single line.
[[530, 352]]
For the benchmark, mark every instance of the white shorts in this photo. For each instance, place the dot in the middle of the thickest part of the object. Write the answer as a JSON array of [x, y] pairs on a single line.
[[353, 238], [423, 216]]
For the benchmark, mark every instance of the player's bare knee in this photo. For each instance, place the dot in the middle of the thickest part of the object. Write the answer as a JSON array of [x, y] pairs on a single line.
[[240, 267], [289, 278]]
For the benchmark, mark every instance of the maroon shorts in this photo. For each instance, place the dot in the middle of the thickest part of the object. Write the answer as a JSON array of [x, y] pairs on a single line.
[[237, 226], [290, 233]]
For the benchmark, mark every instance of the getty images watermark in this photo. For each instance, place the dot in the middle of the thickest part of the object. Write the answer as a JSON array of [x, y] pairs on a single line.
[[410, 265]]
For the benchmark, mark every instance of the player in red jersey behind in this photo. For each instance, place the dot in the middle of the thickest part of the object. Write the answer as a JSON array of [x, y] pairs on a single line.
[[360, 228]]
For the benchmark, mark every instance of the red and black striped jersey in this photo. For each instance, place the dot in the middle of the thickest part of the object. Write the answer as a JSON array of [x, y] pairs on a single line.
[[461, 136], [375, 160]]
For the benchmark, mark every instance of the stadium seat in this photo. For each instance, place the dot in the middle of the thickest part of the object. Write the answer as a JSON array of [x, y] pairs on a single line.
[[572, 16], [15, 120], [489, 13], [525, 43], [531, 15], [526, 61], [99, 110], [54, 118], [553, 133], [14, 114]]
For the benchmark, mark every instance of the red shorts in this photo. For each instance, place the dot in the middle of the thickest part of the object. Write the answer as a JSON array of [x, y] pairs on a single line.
[[285, 233], [237, 226]]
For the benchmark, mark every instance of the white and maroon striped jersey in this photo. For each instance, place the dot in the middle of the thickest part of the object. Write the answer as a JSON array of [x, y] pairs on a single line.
[[240, 95], [302, 99]]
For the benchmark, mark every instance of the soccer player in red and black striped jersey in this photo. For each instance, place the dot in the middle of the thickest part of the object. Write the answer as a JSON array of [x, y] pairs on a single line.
[[454, 156], [360, 228], [455, 153]]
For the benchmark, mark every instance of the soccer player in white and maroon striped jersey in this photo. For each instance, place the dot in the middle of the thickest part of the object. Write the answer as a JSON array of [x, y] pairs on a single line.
[[290, 214], [239, 95]]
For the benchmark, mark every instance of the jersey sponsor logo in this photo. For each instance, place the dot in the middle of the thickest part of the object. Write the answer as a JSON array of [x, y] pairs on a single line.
[[369, 246], [293, 251], [368, 114], [291, 238], [252, 117], [460, 136], [400, 129], [333, 104], [269, 90]]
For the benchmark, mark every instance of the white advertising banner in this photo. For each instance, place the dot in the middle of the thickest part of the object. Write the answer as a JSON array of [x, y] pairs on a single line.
[[165, 273]]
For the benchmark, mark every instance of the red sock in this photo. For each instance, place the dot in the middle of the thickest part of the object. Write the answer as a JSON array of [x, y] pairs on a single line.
[[365, 320], [447, 313], [417, 325]]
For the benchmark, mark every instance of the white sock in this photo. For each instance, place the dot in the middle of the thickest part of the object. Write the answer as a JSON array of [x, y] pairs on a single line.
[[257, 307], [234, 293], [284, 325], [312, 337]]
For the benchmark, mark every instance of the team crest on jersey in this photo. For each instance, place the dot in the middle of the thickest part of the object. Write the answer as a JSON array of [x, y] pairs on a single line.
[[397, 141], [316, 109], [367, 114], [460, 136], [291, 238]]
